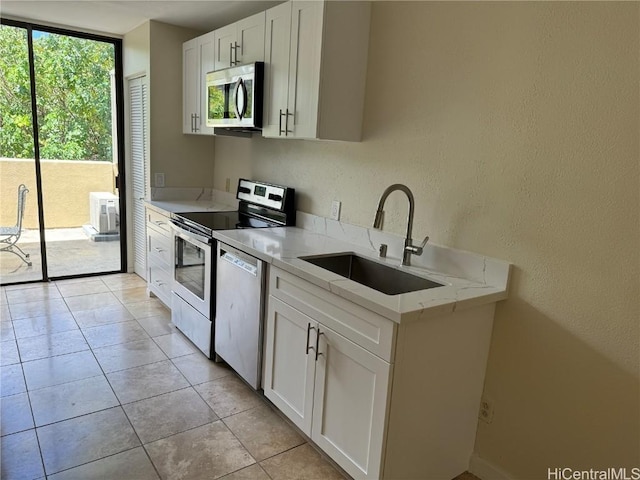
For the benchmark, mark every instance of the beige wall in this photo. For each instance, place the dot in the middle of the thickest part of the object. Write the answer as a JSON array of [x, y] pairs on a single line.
[[155, 49], [186, 160], [516, 125], [136, 47], [66, 185]]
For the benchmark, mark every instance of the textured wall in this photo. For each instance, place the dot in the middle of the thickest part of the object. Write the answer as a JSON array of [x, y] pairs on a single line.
[[516, 125], [186, 160]]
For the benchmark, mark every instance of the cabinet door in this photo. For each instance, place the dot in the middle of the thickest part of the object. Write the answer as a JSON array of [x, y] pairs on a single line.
[[304, 68], [190, 85], [225, 39], [289, 364], [207, 62], [350, 402], [250, 39], [276, 58]]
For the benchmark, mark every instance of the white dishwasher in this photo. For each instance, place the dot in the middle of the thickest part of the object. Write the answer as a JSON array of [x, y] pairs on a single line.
[[240, 284]]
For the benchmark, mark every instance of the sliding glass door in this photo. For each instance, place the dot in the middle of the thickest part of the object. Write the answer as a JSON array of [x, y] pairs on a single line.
[[63, 143]]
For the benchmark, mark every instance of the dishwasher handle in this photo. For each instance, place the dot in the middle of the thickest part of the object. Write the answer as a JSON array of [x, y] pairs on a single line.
[[239, 260]]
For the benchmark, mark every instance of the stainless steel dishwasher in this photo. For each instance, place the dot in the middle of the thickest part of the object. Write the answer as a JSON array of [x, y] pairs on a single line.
[[240, 283]]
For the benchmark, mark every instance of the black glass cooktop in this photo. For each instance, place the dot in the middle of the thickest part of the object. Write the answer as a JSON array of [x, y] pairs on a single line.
[[224, 220]]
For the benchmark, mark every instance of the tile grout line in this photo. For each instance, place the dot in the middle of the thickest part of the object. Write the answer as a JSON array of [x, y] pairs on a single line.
[[190, 385]]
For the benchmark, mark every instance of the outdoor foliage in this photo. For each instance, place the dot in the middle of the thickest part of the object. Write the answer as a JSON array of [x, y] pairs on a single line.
[[73, 96]]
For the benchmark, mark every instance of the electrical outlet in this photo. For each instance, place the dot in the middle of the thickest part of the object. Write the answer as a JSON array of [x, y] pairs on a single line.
[[159, 179], [227, 185], [486, 410], [335, 210]]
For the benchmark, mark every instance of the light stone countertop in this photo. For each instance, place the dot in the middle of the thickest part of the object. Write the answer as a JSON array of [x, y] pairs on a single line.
[[182, 206], [282, 246], [469, 279]]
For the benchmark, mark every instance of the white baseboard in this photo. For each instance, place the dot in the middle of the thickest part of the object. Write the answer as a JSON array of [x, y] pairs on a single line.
[[484, 470]]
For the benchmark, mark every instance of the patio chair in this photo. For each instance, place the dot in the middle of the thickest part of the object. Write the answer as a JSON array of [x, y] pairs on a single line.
[[9, 236]]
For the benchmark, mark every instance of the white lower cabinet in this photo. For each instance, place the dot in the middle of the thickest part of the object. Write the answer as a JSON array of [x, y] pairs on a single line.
[[385, 400], [289, 366], [349, 404], [159, 257], [334, 390]]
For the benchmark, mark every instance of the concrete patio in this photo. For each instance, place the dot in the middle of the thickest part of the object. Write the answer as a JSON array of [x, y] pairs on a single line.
[[69, 252]]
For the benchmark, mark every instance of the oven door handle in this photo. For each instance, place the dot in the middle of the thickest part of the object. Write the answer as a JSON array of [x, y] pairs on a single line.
[[186, 235]]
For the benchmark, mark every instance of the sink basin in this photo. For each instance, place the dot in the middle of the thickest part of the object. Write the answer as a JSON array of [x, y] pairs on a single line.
[[372, 274]]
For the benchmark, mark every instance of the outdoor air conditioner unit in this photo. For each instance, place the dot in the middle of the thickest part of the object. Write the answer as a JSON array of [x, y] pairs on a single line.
[[104, 212]]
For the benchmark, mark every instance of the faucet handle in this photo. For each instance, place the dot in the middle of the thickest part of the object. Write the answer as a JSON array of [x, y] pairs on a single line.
[[417, 250]]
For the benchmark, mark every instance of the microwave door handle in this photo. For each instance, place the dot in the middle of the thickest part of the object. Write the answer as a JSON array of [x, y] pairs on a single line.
[[240, 90]]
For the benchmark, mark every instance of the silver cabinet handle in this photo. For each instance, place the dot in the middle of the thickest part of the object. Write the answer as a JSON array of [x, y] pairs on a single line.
[[280, 131], [158, 222], [235, 51], [158, 282], [286, 127], [197, 118], [158, 249], [318, 344], [309, 328], [231, 48]]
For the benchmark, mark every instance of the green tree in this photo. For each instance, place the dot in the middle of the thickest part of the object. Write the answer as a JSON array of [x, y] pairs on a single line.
[[16, 133], [73, 96]]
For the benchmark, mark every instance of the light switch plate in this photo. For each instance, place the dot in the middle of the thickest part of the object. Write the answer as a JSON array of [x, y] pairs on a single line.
[[335, 210], [159, 179]]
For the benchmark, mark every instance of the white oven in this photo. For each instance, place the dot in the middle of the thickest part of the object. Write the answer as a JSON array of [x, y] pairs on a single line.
[[195, 252]]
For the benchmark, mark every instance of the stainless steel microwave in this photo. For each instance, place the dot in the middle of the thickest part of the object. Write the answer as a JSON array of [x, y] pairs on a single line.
[[234, 97]]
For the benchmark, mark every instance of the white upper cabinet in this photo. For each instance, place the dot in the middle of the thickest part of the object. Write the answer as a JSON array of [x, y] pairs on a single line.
[[240, 43], [197, 61], [315, 69], [225, 39], [190, 85], [250, 43], [276, 58]]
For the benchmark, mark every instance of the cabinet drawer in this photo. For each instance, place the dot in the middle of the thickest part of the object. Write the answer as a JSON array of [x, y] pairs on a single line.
[[158, 221], [363, 327], [160, 283], [159, 248]]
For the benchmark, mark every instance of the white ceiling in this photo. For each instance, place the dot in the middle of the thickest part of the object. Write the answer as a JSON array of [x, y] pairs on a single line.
[[120, 17]]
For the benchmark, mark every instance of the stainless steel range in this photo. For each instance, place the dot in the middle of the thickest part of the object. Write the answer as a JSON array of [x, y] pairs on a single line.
[[196, 255]]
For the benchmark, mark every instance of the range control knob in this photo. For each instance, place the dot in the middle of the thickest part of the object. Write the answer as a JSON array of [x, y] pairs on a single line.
[[275, 197]]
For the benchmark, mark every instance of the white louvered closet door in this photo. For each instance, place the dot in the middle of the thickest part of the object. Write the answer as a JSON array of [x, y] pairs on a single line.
[[139, 171]]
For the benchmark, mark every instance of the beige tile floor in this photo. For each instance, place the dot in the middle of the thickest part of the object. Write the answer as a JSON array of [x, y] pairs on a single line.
[[98, 384]]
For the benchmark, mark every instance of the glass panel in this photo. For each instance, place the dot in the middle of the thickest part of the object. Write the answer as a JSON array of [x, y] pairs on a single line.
[[19, 228], [77, 122], [190, 267], [216, 102], [249, 89]]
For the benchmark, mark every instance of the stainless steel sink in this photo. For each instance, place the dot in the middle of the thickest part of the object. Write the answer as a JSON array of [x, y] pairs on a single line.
[[374, 275]]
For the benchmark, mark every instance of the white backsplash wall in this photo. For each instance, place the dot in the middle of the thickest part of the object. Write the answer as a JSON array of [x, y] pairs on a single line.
[[515, 124]]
